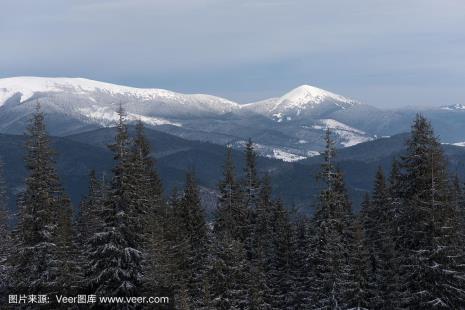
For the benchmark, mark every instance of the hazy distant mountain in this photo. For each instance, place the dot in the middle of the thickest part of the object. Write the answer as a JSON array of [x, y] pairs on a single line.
[[289, 127], [294, 182]]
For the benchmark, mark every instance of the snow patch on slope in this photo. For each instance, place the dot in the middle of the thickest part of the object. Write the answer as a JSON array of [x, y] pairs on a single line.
[[349, 136], [285, 156], [106, 117]]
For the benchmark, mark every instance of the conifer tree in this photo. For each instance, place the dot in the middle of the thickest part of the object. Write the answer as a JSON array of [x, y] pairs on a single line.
[[332, 238], [150, 189], [229, 278], [377, 225], [431, 259], [42, 209], [192, 228], [359, 294], [251, 182], [231, 214], [5, 236], [302, 265], [117, 259], [90, 216]]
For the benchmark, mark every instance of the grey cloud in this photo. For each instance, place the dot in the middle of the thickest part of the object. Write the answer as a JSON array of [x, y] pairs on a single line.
[[245, 49]]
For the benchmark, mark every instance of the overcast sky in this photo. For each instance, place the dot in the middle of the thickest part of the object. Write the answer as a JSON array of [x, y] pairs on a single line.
[[385, 53]]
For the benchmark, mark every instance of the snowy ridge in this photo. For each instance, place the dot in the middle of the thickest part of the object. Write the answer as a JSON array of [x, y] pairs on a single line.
[[300, 102], [74, 105], [28, 86], [309, 95]]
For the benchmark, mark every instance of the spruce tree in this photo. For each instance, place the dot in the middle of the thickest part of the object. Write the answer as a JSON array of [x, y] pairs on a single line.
[[5, 236], [251, 181], [150, 210], [229, 277], [431, 258], [332, 238], [302, 265], [192, 229], [359, 293], [116, 258], [42, 206], [231, 216], [377, 225]]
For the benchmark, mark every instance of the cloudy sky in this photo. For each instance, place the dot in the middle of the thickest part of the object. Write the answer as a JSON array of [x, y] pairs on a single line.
[[385, 53]]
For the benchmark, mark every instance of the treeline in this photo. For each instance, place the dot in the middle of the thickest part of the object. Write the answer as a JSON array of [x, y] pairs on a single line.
[[404, 250]]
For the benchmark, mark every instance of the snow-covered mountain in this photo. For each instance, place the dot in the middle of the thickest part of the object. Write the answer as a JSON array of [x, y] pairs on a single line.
[[302, 102], [289, 127], [97, 100]]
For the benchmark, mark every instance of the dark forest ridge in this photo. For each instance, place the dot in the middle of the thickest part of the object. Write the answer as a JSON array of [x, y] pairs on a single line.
[[404, 249]]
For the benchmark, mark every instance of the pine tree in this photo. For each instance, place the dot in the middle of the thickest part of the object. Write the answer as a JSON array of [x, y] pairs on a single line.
[[116, 258], [432, 258], [332, 238], [42, 207]]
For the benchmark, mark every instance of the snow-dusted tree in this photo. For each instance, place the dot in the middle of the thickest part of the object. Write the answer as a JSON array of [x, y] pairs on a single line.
[[377, 217], [231, 216], [359, 293], [191, 228], [116, 257], [90, 221], [149, 205], [42, 208], [332, 237], [431, 257], [229, 278], [251, 182], [302, 268], [5, 235]]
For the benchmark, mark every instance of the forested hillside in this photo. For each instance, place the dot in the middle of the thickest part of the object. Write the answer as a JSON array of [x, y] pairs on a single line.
[[405, 249]]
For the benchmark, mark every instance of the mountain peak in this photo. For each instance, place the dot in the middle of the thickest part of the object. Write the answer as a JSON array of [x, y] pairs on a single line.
[[306, 94]]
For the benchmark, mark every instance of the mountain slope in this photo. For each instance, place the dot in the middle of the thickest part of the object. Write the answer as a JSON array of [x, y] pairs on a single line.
[[289, 127], [302, 102], [87, 104]]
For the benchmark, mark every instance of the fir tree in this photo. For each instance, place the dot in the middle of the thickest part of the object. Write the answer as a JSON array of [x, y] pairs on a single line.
[[229, 278], [251, 182], [193, 230], [42, 209], [231, 214], [377, 225], [332, 238], [117, 259], [431, 256], [5, 236], [360, 293]]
